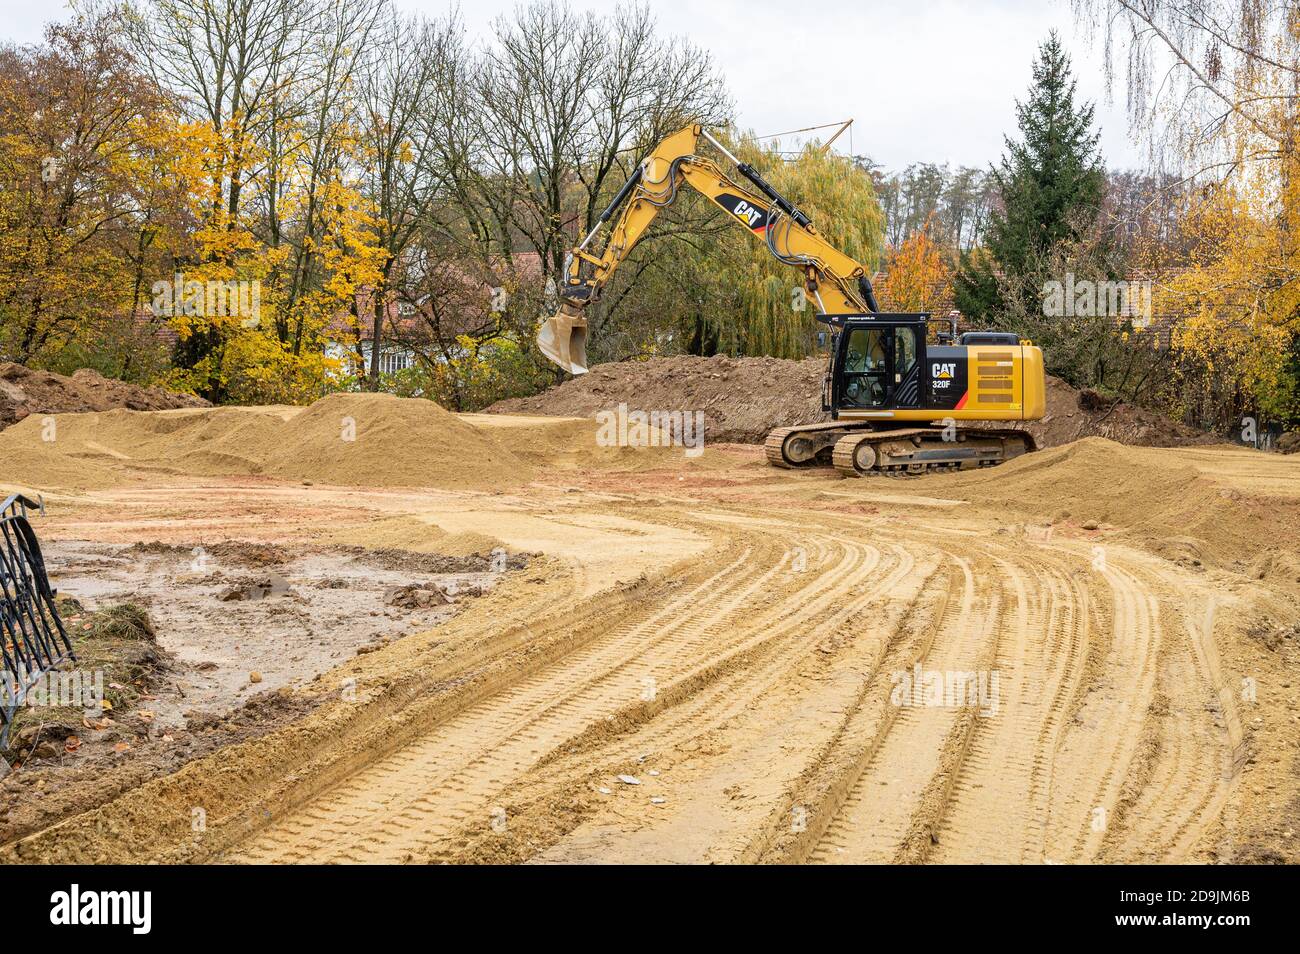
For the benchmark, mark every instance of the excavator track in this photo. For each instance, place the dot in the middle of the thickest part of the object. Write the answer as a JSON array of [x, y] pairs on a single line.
[[914, 451], [856, 449], [806, 445]]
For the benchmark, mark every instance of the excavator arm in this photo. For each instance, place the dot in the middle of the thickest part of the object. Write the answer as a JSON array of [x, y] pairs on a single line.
[[835, 282]]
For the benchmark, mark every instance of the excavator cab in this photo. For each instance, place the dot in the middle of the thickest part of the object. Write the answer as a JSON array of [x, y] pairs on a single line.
[[877, 363]]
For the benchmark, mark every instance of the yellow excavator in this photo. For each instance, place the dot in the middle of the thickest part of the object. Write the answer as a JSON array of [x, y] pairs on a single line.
[[894, 396]]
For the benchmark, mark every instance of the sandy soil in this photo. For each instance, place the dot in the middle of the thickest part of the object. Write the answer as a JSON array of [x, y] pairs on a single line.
[[702, 664]]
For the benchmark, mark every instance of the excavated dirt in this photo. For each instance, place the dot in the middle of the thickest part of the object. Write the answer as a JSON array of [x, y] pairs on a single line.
[[741, 398], [371, 440], [709, 660], [24, 392], [744, 398]]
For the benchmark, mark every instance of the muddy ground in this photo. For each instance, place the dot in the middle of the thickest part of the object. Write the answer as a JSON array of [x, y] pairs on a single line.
[[226, 629], [239, 618], [703, 660]]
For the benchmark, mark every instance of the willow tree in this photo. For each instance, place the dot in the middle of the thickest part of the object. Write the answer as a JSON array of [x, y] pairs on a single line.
[[775, 318]]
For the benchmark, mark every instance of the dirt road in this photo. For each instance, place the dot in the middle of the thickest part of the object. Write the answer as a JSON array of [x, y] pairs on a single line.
[[722, 664]]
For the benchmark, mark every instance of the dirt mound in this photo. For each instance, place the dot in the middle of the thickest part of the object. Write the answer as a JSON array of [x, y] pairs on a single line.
[[371, 440], [1165, 503], [364, 439], [389, 441], [741, 398], [24, 392], [744, 398], [1073, 414], [1094, 480]]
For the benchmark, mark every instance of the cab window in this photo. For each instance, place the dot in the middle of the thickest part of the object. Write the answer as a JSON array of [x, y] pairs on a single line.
[[904, 352], [866, 367]]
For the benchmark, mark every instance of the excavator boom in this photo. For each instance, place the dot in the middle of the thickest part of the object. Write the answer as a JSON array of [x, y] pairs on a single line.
[[835, 281]]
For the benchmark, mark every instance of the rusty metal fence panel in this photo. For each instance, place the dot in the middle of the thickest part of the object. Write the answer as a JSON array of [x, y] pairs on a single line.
[[31, 633]]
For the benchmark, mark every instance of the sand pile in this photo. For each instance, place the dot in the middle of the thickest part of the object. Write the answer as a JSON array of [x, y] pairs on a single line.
[[744, 398], [346, 439], [1092, 480], [24, 392], [388, 441], [1166, 503]]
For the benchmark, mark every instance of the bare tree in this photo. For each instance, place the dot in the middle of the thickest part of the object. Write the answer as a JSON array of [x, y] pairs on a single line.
[[407, 93], [561, 107]]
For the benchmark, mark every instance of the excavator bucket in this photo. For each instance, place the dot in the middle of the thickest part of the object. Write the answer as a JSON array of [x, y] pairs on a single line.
[[563, 339]]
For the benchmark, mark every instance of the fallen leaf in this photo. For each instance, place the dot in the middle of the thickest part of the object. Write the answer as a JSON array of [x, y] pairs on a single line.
[[121, 747]]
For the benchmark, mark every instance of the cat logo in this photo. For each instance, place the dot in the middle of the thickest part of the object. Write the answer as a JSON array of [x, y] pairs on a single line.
[[943, 371], [751, 215]]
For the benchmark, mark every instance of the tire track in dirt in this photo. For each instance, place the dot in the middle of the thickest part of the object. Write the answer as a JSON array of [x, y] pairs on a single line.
[[999, 803], [404, 804], [370, 813], [1191, 731], [1097, 753], [878, 813], [802, 677]]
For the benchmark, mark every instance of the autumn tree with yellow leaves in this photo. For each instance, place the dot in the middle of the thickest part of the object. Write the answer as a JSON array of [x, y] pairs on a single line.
[[96, 172], [1216, 87], [918, 275], [281, 207]]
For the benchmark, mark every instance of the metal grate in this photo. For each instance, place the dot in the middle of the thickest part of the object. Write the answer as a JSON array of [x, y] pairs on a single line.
[[31, 634]]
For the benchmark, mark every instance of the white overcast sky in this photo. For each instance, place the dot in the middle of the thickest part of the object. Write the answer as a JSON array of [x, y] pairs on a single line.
[[925, 80]]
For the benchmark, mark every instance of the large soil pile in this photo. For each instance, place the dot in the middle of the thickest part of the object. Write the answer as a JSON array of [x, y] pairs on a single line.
[[1073, 414], [744, 398], [24, 392], [373, 440]]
